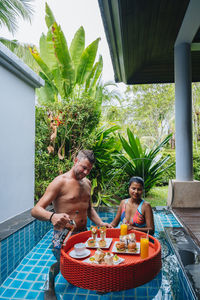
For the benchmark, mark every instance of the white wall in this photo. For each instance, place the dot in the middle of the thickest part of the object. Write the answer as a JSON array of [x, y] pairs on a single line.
[[17, 128]]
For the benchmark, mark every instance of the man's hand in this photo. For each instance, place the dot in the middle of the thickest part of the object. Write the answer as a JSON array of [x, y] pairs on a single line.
[[106, 225], [60, 221]]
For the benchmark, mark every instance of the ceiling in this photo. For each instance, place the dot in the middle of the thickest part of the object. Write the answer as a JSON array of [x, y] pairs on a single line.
[[141, 35]]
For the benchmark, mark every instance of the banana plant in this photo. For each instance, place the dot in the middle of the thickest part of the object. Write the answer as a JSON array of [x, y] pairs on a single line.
[[66, 69], [142, 161]]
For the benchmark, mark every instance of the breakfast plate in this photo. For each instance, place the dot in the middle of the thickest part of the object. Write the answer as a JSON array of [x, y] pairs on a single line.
[[74, 255], [91, 260], [115, 250], [108, 243]]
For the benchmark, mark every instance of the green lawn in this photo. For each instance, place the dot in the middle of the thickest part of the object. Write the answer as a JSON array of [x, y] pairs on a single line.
[[158, 196]]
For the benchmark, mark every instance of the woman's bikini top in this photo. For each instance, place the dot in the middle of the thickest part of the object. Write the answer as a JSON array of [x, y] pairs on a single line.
[[138, 219]]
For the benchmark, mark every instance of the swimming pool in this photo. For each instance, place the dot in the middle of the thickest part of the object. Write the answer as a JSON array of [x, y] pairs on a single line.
[[27, 281]]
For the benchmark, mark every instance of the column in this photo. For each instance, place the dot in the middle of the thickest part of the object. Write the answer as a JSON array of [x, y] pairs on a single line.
[[183, 112]]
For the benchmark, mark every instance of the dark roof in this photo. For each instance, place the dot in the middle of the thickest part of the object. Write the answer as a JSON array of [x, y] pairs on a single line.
[[141, 36]]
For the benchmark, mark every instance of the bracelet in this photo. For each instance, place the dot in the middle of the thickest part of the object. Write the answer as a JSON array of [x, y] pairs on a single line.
[[51, 217]]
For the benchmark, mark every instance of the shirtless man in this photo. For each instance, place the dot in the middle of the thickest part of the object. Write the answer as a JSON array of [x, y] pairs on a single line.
[[70, 195]]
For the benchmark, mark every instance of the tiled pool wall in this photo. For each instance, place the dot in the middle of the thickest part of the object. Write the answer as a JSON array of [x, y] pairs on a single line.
[[16, 246]]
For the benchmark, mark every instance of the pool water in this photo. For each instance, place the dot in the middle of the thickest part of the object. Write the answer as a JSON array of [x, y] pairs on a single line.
[[27, 281]]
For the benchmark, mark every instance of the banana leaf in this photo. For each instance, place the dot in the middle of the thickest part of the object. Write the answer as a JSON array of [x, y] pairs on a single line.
[[77, 46], [63, 56], [86, 62], [49, 17]]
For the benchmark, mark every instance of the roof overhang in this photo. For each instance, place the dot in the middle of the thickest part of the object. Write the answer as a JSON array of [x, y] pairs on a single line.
[[141, 35]]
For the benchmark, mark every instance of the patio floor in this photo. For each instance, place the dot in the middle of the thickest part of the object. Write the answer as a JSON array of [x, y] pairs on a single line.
[[190, 217]]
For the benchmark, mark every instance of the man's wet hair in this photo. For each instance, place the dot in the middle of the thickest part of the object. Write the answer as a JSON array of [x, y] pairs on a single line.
[[136, 179], [89, 154]]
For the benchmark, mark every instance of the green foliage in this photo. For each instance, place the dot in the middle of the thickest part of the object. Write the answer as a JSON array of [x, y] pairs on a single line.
[[10, 10], [141, 161], [106, 145], [66, 71], [157, 196]]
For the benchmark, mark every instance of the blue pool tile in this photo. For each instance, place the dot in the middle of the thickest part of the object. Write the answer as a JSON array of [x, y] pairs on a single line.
[[141, 292], [32, 276], [13, 274], [36, 256], [7, 281], [2, 289], [37, 270], [60, 288], [92, 297], [130, 292], [26, 269], [20, 294], [32, 295], [71, 289], [79, 297], [82, 291], [16, 283], [26, 285], [21, 275], [42, 277], [9, 293], [37, 286], [68, 297], [41, 263]]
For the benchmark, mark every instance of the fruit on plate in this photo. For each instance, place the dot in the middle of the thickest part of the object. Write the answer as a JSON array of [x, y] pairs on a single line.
[[102, 243], [91, 242], [120, 246], [116, 257], [92, 258], [132, 247]]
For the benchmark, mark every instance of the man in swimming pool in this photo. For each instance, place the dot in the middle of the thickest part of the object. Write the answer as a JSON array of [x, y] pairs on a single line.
[[70, 194]]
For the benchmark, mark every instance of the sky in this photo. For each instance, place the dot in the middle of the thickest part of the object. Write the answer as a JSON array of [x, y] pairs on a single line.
[[70, 14]]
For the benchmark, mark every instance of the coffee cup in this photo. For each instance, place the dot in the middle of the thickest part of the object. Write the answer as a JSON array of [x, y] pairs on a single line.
[[79, 249]]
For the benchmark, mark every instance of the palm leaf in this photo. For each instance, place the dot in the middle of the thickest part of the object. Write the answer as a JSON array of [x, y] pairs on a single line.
[[10, 10]]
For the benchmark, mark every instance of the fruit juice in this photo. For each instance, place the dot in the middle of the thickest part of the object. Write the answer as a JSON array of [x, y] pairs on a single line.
[[144, 247], [123, 229]]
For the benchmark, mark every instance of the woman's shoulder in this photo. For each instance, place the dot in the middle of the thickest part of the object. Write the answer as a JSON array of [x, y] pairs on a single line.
[[146, 203], [123, 202]]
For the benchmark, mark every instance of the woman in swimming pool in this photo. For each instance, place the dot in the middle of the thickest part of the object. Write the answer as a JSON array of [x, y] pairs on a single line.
[[134, 211]]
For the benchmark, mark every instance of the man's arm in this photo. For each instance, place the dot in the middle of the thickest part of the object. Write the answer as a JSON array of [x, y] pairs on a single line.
[[39, 211]]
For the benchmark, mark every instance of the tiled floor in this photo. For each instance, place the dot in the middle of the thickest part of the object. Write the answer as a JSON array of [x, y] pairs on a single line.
[[28, 279]]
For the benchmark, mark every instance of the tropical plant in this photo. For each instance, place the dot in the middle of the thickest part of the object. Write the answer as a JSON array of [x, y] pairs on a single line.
[[67, 71], [22, 51], [106, 145], [142, 161], [10, 10]]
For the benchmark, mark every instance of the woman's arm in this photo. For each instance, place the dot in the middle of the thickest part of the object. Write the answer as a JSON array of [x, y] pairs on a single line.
[[117, 218]]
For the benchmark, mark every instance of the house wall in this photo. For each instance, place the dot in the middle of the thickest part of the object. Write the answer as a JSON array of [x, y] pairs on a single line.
[[17, 127]]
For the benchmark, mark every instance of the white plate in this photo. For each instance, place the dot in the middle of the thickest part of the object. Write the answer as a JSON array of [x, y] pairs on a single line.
[[114, 249], [119, 261], [108, 242], [74, 255]]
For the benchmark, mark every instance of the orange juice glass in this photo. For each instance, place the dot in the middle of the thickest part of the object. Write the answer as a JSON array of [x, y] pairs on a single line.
[[144, 247], [123, 229]]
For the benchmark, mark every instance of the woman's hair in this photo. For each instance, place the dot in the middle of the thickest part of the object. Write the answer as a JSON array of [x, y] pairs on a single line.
[[136, 179]]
